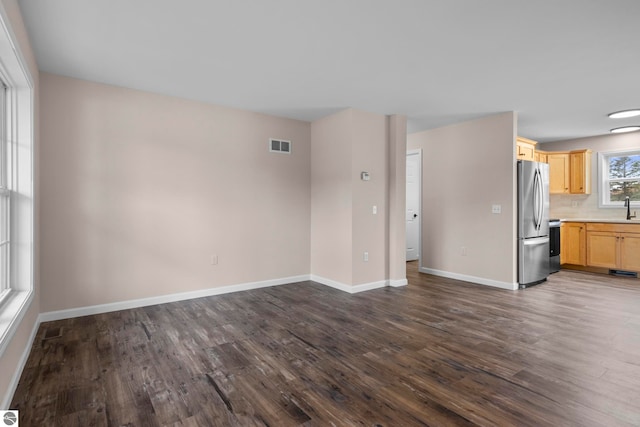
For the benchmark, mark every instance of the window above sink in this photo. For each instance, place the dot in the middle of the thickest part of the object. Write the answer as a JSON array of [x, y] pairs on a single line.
[[619, 177]]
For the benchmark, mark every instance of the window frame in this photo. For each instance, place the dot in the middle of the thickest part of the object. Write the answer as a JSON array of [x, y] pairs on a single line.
[[6, 166], [604, 200], [19, 132]]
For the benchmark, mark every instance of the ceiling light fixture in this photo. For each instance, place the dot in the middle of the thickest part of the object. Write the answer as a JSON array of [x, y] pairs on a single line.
[[624, 114], [625, 129]]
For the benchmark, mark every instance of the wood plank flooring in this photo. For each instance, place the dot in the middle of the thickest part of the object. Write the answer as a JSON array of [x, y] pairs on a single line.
[[437, 352]]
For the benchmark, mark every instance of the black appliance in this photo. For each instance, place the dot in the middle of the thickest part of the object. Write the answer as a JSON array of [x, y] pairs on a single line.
[[554, 245]]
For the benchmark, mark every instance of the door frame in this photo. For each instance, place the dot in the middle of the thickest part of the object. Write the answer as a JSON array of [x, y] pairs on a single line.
[[418, 152]]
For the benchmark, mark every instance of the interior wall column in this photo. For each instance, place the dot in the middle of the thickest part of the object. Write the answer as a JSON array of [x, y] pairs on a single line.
[[397, 200]]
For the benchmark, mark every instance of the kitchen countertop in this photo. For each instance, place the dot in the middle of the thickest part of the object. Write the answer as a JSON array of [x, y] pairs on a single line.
[[609, 220]]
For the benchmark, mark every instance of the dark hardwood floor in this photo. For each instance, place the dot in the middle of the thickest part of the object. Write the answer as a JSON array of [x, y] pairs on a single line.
[[438, 352]]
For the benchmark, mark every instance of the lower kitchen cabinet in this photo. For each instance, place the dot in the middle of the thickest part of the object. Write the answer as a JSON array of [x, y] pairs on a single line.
[[573, 243], [613, 246], [630, 252], [603, 249]]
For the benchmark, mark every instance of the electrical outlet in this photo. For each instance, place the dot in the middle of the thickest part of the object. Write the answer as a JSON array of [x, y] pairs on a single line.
[[375, 210], [574, 204], [496, 209], [214, 259], [463, 251], [365, 256]]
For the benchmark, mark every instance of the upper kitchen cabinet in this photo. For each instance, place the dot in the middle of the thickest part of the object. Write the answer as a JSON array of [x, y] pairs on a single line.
[[558, 172], [525, 149], [580, 172], [541, 156], [569, 172]]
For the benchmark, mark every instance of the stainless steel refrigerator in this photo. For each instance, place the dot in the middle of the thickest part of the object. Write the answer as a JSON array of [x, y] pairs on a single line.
[[533, 222]]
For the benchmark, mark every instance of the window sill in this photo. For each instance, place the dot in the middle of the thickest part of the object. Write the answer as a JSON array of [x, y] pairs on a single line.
[[621, 207], [12, 310]]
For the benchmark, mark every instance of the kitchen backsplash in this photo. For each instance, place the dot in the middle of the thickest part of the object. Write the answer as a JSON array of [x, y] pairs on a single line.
[[581, 206]]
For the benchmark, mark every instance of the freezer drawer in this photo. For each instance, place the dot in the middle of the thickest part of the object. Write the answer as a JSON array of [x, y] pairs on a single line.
[[533, 260]]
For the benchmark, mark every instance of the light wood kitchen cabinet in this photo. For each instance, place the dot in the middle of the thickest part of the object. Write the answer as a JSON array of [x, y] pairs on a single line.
[[613, 246], [573, 243], [558, 172], [525, 149], [630, 252], [541, 156], [569, 171], [580, 172], [603, 249]]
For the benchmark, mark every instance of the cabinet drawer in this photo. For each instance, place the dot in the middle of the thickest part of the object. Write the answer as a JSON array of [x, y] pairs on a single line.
[[613, 228]]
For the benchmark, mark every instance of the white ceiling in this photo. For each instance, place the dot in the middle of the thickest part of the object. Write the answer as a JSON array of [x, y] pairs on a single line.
[[561, 64]]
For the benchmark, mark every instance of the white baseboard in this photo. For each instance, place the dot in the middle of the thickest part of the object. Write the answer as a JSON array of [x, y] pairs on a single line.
[[17, 373], [352, 289], [398, 283], [471, 279], [163, 299]]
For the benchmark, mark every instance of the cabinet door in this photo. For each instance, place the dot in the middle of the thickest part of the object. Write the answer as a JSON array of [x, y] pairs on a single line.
[[630, 252], [580, 176], [602, 249], [558, 173], [572, 243], [525, 151]]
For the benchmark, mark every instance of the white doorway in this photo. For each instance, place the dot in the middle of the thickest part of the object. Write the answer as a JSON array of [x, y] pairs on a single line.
[[413, 210]]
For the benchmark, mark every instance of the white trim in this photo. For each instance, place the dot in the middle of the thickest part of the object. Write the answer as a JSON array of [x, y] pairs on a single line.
[[603, 193], [14, 307], [471, 279], [416, 151], [163, 299], [17, 372], [352, 289], [15, 73], [398, 283]]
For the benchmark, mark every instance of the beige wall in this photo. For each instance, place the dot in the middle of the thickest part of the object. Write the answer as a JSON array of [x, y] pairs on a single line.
[[467, 168], [10, 358], [586, 206], [370, 154], [139, 190], [343, 226], [331, 203]]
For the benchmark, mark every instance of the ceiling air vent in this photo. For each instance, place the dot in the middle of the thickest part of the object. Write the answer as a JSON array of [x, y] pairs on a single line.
[[279, 146]]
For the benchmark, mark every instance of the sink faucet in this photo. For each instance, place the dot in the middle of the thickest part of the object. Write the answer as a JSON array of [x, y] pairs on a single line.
[[627, 204]]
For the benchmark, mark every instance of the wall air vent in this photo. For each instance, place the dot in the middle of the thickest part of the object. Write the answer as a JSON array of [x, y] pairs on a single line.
[[279, 146]]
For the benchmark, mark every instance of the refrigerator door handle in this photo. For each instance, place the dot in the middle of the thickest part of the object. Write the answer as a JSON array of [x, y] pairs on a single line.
[[535, 241], [536, 199], [540, 199]]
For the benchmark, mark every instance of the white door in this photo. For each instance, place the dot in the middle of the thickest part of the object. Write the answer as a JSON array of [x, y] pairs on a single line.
[[413, 204]]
